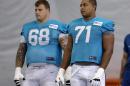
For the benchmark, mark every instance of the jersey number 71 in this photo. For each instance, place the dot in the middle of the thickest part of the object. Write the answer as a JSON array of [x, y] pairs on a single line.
[[80, 29]]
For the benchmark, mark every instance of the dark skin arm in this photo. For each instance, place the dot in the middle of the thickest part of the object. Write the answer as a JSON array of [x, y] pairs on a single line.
[[20, 57], [123, 63], [67, 53], [108, 44]]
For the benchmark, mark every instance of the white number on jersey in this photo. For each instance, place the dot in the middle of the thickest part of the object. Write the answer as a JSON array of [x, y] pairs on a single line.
[[36, 37], [80, 30]]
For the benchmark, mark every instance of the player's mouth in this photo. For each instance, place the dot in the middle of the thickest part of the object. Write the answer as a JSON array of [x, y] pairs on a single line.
[[83, 12], [38, 16]]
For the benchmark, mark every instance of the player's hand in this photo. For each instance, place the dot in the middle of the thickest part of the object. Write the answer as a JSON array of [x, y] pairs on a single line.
[[60, 77], [68, 76], [96, 80], [68, 73], [18, 76]]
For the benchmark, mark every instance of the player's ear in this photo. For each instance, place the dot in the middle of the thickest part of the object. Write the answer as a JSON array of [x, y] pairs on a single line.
[[95, 7]]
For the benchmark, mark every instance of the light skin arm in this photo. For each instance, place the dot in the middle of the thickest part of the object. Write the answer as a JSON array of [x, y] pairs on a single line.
[[123, 63], [20, 57], [108, 44], [67, 53], [63, 41]]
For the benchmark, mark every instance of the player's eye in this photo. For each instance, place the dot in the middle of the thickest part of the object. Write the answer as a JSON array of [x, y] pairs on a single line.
[[84, 4], [80, 5], [40, 9]]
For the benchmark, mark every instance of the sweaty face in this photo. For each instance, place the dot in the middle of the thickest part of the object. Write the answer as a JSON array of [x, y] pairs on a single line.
[[41, 12], [86, 8]]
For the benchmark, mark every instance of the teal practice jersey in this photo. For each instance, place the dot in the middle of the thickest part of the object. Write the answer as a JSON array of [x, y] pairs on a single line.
[[87, 38], [42, 41]]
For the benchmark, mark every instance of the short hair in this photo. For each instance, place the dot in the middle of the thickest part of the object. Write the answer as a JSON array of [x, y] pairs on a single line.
[[44, 2], [93, 2]]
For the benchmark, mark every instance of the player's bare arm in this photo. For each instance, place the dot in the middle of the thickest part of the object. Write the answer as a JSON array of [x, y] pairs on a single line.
[[19, 63], [63, 41], [20, 57], [108, 44], [67, 53], [65, 62], [123, 63]]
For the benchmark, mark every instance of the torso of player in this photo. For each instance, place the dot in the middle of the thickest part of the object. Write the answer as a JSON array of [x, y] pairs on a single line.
[[87, 39], [43, 42], [127, 41]]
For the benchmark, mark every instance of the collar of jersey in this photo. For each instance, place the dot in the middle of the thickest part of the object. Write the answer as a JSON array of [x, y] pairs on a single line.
[[42, 23]]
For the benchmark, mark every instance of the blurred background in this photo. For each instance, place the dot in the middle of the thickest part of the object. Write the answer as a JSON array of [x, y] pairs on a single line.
[[14, 13]]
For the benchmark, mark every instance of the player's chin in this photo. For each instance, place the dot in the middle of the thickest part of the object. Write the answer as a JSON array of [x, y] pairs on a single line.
[[83, 14], [38, 17]]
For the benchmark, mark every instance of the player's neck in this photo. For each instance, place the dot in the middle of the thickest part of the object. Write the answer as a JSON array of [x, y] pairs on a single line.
[[89, 18], [43, 20]]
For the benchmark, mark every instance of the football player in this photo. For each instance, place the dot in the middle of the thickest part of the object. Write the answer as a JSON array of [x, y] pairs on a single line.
[[41, 42], [125, 64], [89, 47]]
